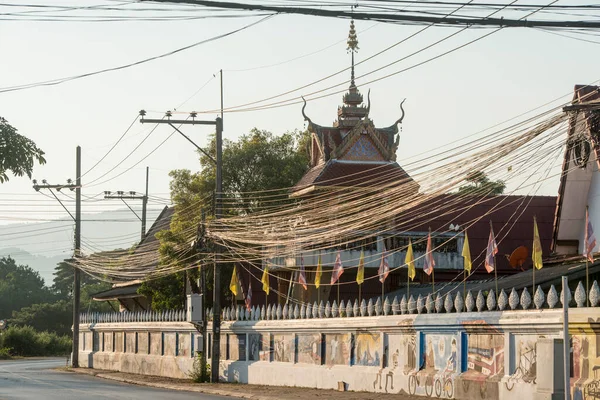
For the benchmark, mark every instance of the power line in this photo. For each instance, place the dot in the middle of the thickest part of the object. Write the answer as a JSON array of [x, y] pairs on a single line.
[[390, 18], [59, 81]]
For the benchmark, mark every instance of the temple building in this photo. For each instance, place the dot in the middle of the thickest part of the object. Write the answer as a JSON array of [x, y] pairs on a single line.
[[352, 154]]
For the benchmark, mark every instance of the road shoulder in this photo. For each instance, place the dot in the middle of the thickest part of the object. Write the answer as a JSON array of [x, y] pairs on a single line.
[[243, 391]]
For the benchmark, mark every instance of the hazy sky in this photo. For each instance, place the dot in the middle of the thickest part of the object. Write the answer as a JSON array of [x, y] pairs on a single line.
[[508, 73]]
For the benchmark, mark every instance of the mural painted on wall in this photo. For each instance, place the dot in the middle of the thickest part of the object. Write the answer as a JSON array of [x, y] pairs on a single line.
[[254, 346], [399, 357], [441, 352], [309, 348], [337, 349], [184, 345], [485, 362], [525, 356], [405, 349], [585, 363], [283, 348], [368, 350], [237, 347], [436, 375], [486, 354], [265, 348]]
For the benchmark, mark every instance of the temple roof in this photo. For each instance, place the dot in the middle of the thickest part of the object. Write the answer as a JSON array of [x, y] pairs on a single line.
[[354, 174], [352, 146]]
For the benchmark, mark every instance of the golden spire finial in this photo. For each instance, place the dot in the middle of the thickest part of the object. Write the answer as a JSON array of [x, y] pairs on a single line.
[[352, 48], [352, 39]]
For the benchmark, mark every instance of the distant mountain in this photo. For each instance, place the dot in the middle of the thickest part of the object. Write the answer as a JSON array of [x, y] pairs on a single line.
[[44, 265], [43, 245]]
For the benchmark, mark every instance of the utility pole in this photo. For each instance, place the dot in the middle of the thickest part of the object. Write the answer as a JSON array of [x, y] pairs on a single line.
[[121, 195], [77, 250], [218, 123], [200, 245]]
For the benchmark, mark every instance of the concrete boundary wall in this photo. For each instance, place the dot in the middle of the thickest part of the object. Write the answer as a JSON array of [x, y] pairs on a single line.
[[149, 348], [469, 355]]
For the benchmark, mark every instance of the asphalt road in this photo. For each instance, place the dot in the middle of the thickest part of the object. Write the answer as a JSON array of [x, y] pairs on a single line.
[[34, 379]]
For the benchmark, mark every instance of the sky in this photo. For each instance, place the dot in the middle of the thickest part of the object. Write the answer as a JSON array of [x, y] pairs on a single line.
[[494, 79]]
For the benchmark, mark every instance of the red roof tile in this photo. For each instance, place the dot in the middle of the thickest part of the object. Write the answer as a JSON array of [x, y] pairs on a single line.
[[353, 174], [512, 218]]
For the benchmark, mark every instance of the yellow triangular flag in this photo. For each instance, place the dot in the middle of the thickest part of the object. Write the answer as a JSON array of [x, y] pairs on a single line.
[[466, 253], [410, 261], [360, 274], [536, 254], [265, 279], [233, 285], [319, 273]]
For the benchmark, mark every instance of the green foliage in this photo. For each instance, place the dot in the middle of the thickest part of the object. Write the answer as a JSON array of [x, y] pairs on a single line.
[[20, 286], [5, 353], [255, 162], [24, 341], [55, 317], [482, 185], [199, 374], [166, 292], [24, 297], [17, 153], [63, 287]]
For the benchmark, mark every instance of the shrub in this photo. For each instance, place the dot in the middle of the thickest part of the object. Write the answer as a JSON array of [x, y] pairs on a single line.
[[25, 341], [5, 353], [197, 374]]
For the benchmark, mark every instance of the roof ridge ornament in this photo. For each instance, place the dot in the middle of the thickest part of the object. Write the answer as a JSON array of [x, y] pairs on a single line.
[[399, 121], [369, 105], [306, 118]]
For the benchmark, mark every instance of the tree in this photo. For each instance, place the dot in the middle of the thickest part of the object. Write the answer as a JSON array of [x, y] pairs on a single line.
[[481, 184], [52, 317], [255, 162], [63, 286], [20, 286], [17, 153]]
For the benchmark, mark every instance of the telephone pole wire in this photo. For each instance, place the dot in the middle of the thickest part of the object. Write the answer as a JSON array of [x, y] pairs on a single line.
[[121, 195]]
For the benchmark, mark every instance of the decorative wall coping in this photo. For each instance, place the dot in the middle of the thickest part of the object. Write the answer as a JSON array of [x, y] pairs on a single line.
[[449, 303]]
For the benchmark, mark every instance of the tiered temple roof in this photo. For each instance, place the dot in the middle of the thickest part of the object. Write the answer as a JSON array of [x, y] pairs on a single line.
[[352, 152]]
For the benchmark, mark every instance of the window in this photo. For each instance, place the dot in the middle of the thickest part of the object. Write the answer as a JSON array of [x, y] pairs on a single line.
[[419, 243]]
